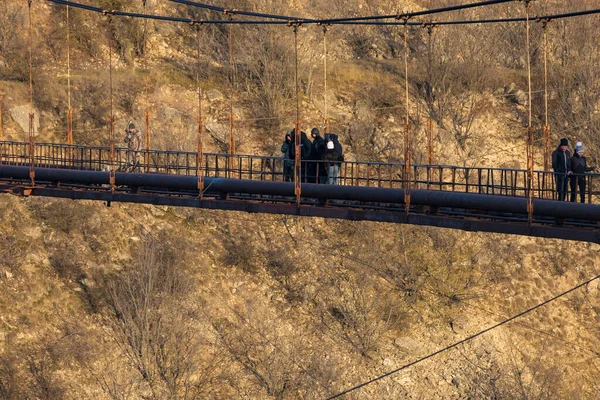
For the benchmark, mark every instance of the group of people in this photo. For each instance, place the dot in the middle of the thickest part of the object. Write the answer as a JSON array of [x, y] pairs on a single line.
[[570, 169], [321, 158]]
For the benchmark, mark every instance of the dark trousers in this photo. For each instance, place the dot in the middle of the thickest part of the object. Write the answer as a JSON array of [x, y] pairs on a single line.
[[561, 186], [577, 180]]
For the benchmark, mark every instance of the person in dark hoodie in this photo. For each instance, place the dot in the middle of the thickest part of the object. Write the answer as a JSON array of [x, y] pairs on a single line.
[[316, 152], [333, 158], [560, 165], [305, 145], [578, 166], [288, 163]]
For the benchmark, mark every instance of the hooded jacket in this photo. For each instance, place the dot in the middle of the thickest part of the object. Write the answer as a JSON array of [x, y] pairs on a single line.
[[336, 154], [305, 145]]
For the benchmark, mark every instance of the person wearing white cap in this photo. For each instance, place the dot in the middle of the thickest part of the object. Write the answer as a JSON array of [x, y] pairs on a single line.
[[578, 165]]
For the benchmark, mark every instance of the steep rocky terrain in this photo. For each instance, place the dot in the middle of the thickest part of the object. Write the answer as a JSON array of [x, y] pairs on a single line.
[[134, 301]]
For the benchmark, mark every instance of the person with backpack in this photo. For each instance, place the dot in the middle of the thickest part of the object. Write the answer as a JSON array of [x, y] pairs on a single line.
[[317, 170], [288, 162], [560, 165], [333, 157], [578, 165]]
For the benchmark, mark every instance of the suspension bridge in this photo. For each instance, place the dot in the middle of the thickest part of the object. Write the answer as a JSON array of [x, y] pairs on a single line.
[[512, 201]]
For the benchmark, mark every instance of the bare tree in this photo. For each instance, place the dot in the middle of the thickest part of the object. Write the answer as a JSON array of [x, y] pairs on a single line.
[[156, 326]]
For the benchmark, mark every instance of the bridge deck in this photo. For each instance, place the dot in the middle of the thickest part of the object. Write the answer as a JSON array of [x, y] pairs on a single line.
[[473, 199]]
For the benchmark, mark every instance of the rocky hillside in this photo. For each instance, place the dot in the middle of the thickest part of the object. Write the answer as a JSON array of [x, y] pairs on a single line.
[[132, 301]]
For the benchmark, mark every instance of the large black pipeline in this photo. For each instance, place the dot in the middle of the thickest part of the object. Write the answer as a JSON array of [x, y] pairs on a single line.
[[433, 198]]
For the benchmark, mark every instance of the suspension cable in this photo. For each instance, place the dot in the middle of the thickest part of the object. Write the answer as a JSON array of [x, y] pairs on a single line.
[[429, 95], [326, 120], [407, 141], [297, 159], [362, 20], [69, 108], [547, 124], [406, 16], [147, 113], [199, 153], [31, 112], [468, 338], [1, 123], [231, 94], [240, 12], [530, 134], [111, 122]]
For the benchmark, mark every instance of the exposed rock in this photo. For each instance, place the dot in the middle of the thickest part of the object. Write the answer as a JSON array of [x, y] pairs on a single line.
[[407, 345], [380, 141], [214, 95], [218, 131], [362, 110], [520, 97], [20, 115]]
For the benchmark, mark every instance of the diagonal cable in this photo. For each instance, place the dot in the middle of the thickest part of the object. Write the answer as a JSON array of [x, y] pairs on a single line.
[[467, 339]]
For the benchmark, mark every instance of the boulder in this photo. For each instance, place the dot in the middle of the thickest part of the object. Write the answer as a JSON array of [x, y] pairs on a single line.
[[362, 110], [214, 95], [520, 97], [218, 131], [20, 114]]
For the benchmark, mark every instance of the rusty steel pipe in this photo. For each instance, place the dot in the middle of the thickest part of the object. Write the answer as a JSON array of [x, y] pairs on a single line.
[[222, 186]]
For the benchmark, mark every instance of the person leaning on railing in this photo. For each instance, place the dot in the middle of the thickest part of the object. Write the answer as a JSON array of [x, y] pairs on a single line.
[[578, 165], [560, 165]]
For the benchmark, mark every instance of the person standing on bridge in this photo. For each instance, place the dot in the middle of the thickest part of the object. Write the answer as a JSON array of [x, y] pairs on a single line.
[[578, 165], [560, 165], [318, 174], [288, 163], [333, 158], [133, 138], [305, 146]]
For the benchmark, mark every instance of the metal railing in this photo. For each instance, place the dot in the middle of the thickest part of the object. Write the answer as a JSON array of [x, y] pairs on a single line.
[[483, 180]]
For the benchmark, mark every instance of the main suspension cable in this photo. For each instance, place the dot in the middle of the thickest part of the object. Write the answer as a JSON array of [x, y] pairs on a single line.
[[408, 15], [240, 12], [341, 21]]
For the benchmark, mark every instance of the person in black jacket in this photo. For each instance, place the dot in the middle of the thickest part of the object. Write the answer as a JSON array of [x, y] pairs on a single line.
[[288, 164], [578, 165], [333, 158], [305, 145], [316, 152], [560, 165]]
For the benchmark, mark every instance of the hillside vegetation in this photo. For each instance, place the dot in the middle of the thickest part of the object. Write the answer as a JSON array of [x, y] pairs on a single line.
[[136, 301]]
